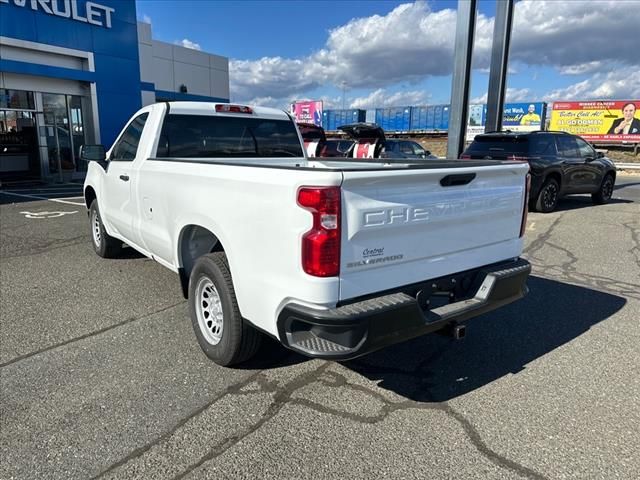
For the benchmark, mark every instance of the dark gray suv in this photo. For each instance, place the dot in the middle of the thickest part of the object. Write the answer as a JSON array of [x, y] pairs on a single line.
[[561, 164]]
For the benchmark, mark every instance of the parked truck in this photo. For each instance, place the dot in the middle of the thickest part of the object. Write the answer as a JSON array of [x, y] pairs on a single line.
[[335, 258]]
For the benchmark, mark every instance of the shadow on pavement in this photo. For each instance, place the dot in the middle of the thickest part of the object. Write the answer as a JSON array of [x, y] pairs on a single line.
[[6, 199], [620, 186], [575, 202], [435, 368]]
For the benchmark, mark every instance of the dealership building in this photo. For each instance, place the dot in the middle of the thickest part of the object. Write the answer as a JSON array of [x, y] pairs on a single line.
[[73, 71]]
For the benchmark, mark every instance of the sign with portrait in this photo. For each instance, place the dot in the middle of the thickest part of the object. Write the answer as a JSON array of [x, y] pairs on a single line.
[[308, 112], [608, 121]]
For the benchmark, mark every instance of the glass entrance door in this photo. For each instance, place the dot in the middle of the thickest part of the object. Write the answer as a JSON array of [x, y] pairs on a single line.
[[65, 132], [59, 143]]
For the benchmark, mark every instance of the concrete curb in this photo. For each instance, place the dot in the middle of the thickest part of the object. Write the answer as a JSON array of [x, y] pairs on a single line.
[[627, 166]]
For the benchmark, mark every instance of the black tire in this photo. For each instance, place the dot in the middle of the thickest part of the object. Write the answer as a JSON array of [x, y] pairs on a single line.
[[103, 244], [547, 200], [234, 341], [604, 193]]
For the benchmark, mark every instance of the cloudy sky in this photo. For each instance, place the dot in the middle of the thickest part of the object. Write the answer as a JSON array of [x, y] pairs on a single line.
[[371, 54]]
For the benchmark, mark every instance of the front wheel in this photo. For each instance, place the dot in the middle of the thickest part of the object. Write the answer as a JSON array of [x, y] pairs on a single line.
[[104, 245], [548, 197], [224, 336], [603, 195]]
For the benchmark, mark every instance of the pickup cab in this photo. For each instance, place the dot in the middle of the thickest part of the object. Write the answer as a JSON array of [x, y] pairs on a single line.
[[334, 258]]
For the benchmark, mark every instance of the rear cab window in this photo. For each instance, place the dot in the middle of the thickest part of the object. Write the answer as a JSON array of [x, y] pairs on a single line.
[[208, 136]]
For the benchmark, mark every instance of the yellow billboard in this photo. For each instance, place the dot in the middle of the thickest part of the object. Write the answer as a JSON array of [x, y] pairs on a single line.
[[598, 121]]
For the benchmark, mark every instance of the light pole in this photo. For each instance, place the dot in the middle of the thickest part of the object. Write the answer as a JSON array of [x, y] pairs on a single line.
[[343, 84]]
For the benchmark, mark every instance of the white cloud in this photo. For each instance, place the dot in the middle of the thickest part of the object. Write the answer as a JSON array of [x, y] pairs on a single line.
[[146, 19], [566, 34], [511, 95], [619, 84], [381, 98], [412, 42], [185, 42], [284, 102], [408, 44], [582, 68], [274, 77]]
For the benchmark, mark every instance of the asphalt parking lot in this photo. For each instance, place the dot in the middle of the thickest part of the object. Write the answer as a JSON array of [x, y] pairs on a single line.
[[101, 376]]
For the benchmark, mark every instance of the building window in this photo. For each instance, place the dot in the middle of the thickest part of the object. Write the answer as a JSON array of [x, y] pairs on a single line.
[[18, 99]]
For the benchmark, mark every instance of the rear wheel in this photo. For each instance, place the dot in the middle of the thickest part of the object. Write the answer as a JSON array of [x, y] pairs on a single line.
[[603, 195], [224, 336], [548, 197], [104, 245]]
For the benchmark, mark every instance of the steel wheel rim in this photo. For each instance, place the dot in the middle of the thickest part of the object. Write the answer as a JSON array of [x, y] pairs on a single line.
[[209, 311], [95, 228], [550, 196], [607, 189]]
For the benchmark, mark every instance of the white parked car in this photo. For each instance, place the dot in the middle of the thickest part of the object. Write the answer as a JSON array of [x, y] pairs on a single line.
[[334, 258]]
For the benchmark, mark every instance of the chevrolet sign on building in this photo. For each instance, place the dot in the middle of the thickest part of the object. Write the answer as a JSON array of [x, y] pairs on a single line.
[[73, 71], [95, 14]]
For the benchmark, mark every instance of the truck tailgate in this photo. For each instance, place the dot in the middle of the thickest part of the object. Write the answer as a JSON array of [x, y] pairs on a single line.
[[405, 226]]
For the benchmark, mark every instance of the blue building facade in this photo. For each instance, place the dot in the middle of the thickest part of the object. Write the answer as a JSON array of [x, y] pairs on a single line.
[[70, 73]]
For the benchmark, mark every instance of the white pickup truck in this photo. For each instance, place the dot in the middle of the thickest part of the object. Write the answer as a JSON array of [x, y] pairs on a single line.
[[334, 258]]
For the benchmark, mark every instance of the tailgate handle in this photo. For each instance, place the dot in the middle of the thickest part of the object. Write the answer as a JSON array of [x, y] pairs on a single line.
[[458, 179]]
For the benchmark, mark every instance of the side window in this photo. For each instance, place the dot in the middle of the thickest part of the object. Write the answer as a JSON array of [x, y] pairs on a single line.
[[567, 146], [542, 145], [585, 149], [127, 146], [417, 149], [406, 147]]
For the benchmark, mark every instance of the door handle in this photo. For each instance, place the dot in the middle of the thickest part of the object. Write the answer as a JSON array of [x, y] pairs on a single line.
[[124, 178], [457, 179]]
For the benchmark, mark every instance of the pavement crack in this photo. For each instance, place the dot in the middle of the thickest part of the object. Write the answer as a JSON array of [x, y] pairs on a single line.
[[476, 439], [539, 242], [389, 407], [605, 284], [281, 398], [232, 389], [635, 237], [87, 335]]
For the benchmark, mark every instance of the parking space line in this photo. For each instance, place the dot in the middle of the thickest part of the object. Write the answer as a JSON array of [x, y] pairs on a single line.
[[36, 197]]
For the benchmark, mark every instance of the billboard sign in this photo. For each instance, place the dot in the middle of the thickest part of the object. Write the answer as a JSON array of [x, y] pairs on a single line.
[[476, 121], [523, 117], [308, 112], [599, 121], [517, 117]]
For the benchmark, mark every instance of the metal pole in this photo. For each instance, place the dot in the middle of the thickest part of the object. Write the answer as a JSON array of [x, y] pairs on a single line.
[[499, 61], [461, 78]]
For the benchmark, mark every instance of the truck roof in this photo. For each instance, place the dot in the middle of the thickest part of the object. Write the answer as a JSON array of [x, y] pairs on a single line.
[[209, 108]]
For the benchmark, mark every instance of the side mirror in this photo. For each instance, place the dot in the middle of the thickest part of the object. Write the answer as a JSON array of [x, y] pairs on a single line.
[[599, 154], [93, 153]]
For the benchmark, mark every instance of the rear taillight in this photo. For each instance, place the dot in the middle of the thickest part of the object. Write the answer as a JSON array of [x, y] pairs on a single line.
[[525, 211], [516, 158], [465, 156], [226, 108], [321, 244]]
